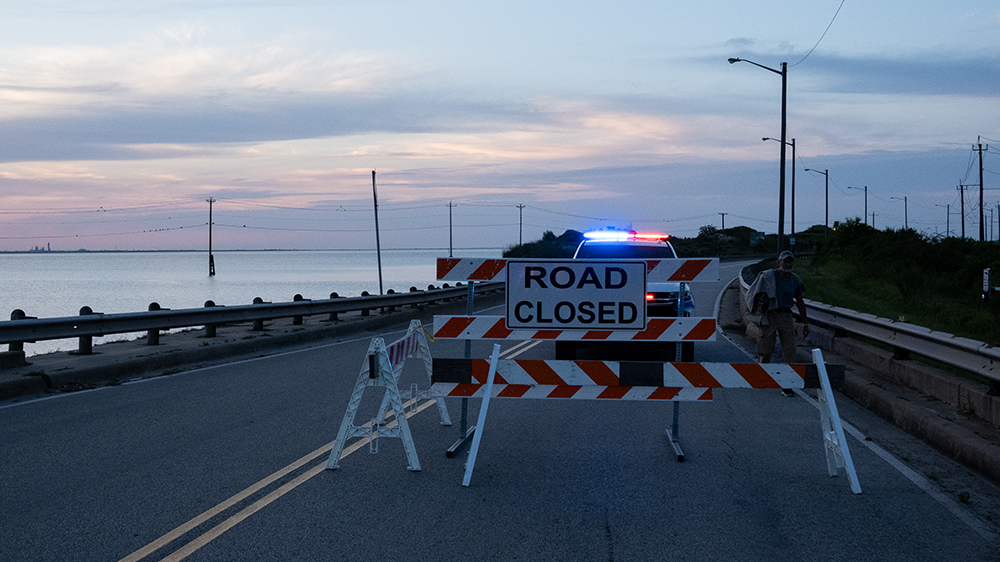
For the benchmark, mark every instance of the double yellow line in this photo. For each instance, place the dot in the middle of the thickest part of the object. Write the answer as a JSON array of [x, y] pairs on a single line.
[[321, 453], [215, 532]]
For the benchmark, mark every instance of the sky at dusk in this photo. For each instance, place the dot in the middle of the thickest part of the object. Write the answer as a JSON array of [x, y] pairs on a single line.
[[120, 119]]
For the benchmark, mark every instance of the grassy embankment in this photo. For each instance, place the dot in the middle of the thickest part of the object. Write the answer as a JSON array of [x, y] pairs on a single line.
[[935, 283]]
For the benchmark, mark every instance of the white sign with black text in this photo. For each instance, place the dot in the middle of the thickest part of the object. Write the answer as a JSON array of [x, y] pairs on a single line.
[[576, 294]]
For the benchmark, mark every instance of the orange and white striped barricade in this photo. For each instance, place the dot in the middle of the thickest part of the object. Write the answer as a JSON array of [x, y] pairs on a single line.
[[680, 329], [611, 380], [637, 380], [657, 270]]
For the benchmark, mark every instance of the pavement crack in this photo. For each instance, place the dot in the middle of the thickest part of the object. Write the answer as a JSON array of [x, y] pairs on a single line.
[[609, 537]]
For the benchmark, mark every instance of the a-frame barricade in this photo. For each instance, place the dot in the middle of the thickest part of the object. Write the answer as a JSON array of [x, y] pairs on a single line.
[[381, 368]]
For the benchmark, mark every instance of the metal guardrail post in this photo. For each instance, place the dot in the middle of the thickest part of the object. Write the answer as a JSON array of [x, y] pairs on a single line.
[[333, 315], [258, 325], [153, 335], [14, 356], [365, 311], [390, 307], [86, 345], [209, 328], [297, 320], [17, 314]]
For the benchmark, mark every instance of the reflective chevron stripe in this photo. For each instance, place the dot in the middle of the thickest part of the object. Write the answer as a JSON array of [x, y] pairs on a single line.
[[657, 271], [569, 392], [495, 328], [534, 372]]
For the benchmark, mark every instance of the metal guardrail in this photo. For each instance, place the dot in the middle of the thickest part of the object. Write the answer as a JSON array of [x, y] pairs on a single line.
[[90, 324], [974, 356]]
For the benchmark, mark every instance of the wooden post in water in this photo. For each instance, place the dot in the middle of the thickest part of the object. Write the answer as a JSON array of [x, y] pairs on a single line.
[[378, 246], [211, 258]]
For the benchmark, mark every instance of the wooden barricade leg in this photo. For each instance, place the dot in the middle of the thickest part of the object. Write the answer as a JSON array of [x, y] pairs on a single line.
[[838, 455], [478, 437]]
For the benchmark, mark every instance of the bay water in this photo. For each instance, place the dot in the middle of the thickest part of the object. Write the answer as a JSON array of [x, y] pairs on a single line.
[[51, 284]]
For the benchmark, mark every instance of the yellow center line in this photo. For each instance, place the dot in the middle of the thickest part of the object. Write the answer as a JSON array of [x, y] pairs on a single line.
[[520, 348], [210, 535]]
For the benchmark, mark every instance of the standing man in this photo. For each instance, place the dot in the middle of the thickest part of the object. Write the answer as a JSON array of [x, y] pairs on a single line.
[[773, 293]]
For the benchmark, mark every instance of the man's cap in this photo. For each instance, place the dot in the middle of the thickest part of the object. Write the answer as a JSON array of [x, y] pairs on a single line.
[[786, 254]]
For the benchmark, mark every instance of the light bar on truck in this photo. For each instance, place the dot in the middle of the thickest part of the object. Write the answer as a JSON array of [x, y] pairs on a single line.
[[623, 235]]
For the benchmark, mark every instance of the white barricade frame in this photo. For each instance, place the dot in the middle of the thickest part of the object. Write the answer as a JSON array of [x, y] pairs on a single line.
[[382, 367]]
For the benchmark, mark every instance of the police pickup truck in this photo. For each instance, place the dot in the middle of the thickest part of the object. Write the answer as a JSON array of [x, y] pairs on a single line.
[[661, 298]]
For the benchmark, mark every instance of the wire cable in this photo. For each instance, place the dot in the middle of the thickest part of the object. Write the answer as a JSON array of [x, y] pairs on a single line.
[[824, 33]]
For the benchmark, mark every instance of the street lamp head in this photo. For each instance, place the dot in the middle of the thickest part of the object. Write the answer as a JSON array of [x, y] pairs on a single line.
[[766, 139], [734, 61]]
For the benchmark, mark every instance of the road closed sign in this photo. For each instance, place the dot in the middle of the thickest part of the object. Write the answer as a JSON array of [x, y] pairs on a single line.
[[567, 294]]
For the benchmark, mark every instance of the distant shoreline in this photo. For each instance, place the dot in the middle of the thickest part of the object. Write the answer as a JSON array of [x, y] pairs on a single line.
[[85, 251]]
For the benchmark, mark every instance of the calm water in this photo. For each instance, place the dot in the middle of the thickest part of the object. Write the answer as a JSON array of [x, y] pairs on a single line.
[[51, 285]]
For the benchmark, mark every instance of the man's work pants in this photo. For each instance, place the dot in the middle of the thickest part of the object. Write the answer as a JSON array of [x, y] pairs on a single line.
[[782, 325]]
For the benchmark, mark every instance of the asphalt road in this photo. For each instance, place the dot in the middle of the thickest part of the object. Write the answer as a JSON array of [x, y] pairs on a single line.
[[226, 463]]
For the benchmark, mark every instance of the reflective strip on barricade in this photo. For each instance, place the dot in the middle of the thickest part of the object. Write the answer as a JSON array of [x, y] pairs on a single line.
[[403, 348], [657, 271], [570, 392], [495, 328], [624, 380]]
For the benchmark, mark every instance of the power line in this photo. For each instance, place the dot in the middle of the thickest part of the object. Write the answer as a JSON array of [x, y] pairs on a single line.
[[824, 33]]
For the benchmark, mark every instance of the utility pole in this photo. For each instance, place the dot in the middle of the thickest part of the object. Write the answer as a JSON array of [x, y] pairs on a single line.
[[961, 189], [980, 151], [211, 258], [520, 224], [906, 220], [378, 245], [866, 201], [723, 220], [450, 205]]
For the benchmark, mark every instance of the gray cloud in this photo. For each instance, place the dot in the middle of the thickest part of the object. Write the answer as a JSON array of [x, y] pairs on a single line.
[[105, 135], [920, 74]]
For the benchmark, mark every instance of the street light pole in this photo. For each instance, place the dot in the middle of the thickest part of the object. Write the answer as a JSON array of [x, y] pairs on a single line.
[[826, 173], [947, 220], [792, 233], [866, 202], [781, 178]]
